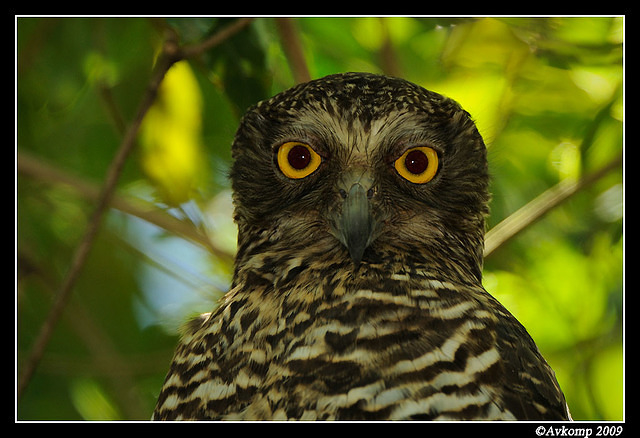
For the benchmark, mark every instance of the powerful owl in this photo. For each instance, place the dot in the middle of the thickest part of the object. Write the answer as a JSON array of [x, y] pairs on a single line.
[[360, 202]]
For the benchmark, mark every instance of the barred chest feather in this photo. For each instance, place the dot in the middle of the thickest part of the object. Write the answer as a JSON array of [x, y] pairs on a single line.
[[344, 346]]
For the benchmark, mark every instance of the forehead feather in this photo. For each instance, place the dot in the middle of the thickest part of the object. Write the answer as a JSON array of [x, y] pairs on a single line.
[[356, 96], [354, 108]]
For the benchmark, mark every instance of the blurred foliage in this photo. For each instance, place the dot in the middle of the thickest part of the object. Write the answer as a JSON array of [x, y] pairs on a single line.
[[547, 96]]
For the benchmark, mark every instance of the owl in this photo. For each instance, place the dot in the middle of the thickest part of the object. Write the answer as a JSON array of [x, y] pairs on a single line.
[[360, 202]]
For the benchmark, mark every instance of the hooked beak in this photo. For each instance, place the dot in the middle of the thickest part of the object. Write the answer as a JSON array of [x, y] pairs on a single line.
[[355, 226]]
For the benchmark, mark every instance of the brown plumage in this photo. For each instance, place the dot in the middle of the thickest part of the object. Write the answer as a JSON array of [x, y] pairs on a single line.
[[360, 202]]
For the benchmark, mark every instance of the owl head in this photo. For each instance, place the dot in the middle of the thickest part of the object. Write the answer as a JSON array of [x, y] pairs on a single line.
[[362, 167]]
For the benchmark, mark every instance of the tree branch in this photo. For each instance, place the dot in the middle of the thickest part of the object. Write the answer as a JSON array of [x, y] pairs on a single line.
[[105, 356], [38, 170], [198, 49], [171, 54], [541, 205], [290, 39], [83, 248]]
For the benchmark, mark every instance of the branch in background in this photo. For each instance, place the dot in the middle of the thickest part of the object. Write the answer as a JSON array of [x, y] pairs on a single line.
[[105, 356], [83, 248], [541, 205], [171, 54], [387, 53], [290, 39], [195, 50], [550, 199], [36, 169]]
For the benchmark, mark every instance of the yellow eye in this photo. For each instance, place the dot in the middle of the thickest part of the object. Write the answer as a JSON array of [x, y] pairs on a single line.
[[297, 160], [418, 165]]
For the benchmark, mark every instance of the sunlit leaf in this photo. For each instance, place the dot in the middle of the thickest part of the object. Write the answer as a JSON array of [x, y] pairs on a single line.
[[100, 70], [171, 137], [91, 401], [607, 376]]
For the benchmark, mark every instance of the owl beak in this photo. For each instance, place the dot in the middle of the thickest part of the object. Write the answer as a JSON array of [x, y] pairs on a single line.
[[355, 225]]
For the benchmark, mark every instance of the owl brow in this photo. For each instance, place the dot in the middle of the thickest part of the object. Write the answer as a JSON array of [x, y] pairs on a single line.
[[320, 132], [399, 132], [302, 132]]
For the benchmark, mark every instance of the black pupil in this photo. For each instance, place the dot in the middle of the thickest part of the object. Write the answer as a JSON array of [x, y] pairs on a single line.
[[416, 162], [299, 157]]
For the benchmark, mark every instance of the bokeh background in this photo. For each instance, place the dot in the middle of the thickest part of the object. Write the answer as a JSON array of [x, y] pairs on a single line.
[[547, 95]]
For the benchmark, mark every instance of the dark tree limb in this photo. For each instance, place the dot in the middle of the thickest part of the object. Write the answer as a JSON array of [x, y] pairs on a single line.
[[171, 54]]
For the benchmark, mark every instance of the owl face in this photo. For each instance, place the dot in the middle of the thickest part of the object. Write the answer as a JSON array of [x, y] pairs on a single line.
[[366, 163]]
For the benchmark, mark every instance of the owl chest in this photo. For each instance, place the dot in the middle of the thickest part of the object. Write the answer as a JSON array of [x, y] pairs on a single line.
[[357, 355]]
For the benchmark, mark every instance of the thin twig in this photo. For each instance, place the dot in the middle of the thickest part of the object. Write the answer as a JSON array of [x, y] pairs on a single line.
[[196, 50], [171, 54], [541, 205]]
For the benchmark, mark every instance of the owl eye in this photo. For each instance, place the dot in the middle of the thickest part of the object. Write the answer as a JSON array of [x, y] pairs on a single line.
[[418, 165], [297, 160]]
